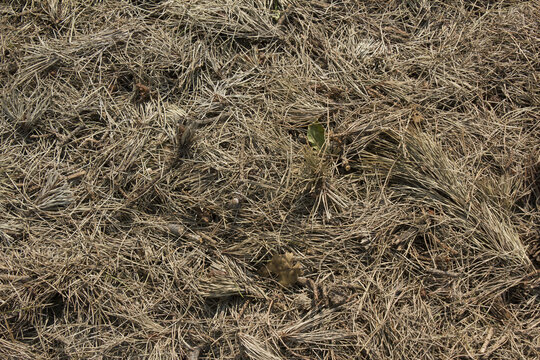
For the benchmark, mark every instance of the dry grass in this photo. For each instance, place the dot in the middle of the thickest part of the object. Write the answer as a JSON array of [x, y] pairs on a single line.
[[153, 159]]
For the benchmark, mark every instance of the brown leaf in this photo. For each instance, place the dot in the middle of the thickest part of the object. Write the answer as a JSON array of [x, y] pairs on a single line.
[[284, 267], [416, 116], [142, 92]]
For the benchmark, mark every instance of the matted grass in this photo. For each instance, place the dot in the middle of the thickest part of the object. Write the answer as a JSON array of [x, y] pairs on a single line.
[[154, 161]]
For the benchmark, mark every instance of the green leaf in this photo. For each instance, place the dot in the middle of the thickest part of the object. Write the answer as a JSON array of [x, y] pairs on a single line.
[[316, 135], [275, 14]]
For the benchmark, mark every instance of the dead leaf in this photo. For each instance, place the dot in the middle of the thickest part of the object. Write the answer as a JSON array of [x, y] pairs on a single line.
[[176, 229], [284, 267], [416, 116], [142, 92]]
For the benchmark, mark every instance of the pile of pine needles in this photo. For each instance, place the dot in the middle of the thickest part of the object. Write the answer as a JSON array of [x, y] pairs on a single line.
[[159, 197]]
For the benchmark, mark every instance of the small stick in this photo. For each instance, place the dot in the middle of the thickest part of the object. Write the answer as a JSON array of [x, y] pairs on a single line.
[[443, 273], [76, 175], [486, 343], [495, 346]]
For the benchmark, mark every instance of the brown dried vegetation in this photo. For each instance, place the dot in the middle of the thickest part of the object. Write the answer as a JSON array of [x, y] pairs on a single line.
[[154, 159]]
